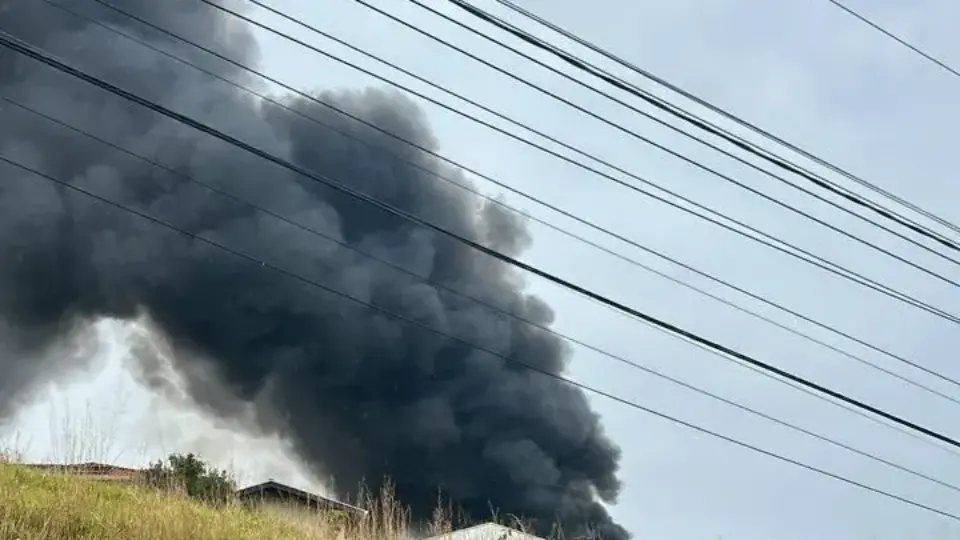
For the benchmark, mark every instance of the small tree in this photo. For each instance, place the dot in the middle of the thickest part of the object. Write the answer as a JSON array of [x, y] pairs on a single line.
[[193, 476]]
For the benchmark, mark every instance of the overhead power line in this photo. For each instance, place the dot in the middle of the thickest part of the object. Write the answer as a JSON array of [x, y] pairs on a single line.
[[488, 305], [821, 262], [35, 53], [876, 26], [526, 215], [557, 377], [739, 142], [686, 159], [664, 105], [762, 237]]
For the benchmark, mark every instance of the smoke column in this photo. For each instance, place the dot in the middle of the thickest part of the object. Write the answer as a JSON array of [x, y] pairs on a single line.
[[360, 395]]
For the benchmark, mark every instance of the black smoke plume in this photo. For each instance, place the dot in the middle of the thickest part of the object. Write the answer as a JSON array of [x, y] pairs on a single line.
[[361, 396]]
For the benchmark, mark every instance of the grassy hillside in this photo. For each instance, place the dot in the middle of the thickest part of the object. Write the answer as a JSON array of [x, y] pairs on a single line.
[[37, 505]]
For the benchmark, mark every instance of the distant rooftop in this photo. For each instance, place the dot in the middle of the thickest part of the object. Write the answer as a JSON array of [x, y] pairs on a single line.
[[97, 470], [272, 489], [486, 531]]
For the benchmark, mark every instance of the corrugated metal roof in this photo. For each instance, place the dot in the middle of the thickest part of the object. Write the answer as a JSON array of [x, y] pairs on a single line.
[[486, 531]]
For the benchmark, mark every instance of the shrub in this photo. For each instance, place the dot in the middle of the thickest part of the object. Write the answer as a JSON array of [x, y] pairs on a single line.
[[191, 475]]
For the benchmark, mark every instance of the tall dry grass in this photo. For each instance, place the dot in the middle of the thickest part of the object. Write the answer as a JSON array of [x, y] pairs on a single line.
[[47, 505]]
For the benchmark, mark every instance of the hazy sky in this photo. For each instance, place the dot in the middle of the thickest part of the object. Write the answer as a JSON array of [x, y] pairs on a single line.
[[800, 68]]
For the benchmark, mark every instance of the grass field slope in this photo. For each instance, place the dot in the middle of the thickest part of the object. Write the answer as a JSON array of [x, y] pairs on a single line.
[[47, 505]]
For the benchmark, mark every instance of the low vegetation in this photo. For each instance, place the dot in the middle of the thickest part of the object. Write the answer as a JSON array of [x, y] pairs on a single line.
[[191, 476], [47, 505], [40, 505]]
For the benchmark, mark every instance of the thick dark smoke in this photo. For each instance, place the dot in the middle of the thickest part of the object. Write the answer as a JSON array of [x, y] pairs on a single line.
[[362, 396]]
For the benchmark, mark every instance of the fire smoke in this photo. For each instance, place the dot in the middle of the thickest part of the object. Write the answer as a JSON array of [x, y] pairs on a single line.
[[361, 396]]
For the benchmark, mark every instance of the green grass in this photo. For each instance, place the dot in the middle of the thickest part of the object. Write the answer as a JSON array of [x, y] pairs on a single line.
[[39, 505]]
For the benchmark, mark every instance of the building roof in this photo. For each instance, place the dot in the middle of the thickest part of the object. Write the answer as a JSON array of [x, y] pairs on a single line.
[[90, 469], [486, 531], [272, 487]]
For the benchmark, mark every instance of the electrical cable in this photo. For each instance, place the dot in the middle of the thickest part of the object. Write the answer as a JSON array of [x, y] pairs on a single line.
[[862, 18], [526, 215], [34, 53], [739, 142], [766, 239], [559, 378], [488, 305], [668, 150], [664, 105]]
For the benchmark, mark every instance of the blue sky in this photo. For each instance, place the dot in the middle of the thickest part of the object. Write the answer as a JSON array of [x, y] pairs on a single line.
[[801, 69]]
